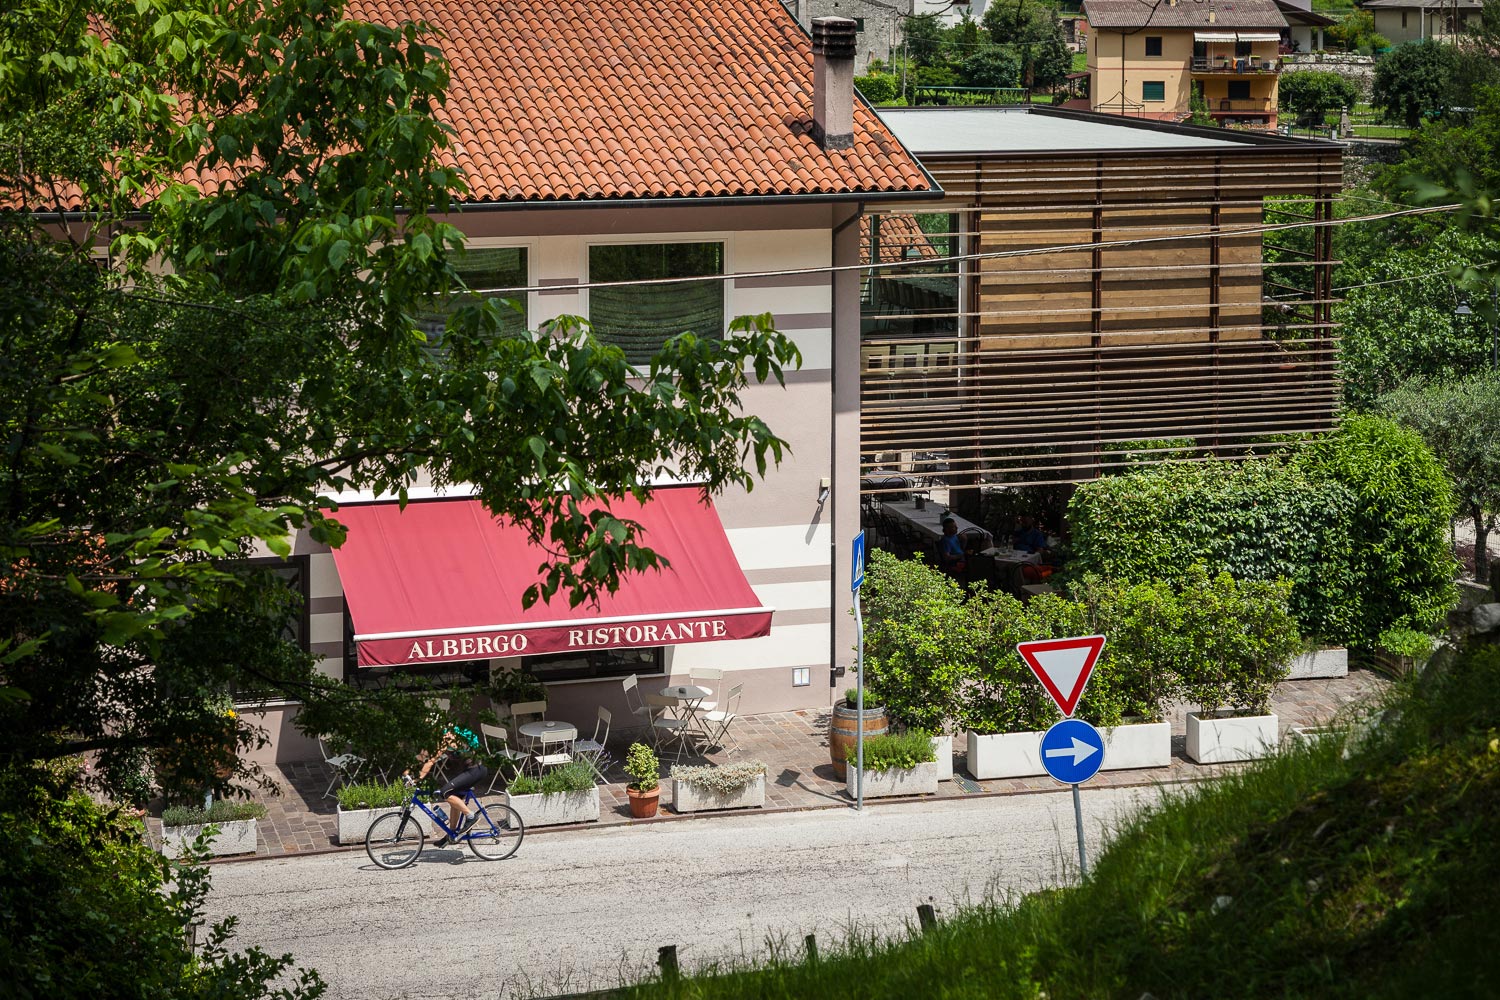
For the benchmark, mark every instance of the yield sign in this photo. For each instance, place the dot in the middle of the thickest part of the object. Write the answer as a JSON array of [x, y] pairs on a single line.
[[1063, 666]]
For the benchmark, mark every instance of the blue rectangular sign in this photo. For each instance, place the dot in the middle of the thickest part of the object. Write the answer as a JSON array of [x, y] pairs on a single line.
[[857, 571]]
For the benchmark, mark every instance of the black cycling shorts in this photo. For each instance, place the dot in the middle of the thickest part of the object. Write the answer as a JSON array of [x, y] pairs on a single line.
[[470, 778]]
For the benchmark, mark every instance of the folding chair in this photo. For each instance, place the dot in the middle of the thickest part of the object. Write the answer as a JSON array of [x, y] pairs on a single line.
[[521, 713], [497, 746], [664, 726], [345, 766], [592, 751], [719, 722], [708, 677], [644, 714], [550, 757]]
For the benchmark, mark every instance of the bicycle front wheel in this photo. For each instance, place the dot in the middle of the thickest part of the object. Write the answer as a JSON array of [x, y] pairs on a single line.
[[394, 840], [497, 834]]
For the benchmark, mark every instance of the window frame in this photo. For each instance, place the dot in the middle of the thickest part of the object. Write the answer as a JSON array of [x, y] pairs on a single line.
[[1145, 96], [1158, 40], [530, 320], [660, 655]]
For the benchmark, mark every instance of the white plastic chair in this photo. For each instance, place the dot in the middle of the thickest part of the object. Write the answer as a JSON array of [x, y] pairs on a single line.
[[497, 746], [345, 766], [592, 751], [719, 722]]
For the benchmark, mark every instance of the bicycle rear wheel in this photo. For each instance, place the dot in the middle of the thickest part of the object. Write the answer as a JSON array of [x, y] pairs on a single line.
[[497, 834], [394, 840]]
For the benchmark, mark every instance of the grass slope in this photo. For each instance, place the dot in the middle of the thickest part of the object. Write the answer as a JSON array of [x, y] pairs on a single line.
[[1313, 874]]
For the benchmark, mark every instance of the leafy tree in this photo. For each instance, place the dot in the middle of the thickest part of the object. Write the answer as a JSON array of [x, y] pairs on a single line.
[[88, 910], [922, 38], [1036, 33], [877, 88], [992, 66], [159, 425], [1200, 114], [1356, 33], [1415, 80], [1447, 149], [1460, 421], [1311, 95]]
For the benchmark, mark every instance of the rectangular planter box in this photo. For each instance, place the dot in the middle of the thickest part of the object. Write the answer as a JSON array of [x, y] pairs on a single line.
[[238, 836], [1137, 744], [355, 823], [1309, 734], [1005, 755], [557, 809], [920, 780], [689, 797], [1225, 737], [1332, 662], [943, 747]]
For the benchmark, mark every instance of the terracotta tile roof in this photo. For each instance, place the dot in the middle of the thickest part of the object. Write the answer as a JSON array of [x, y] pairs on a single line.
[[590, 99], [1227, 14]]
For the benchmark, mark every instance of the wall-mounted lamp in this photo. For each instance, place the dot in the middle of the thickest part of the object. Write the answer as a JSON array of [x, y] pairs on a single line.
[[823, 485]]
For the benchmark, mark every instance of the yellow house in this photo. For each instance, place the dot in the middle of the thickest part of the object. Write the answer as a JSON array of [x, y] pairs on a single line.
[[1149, 61]]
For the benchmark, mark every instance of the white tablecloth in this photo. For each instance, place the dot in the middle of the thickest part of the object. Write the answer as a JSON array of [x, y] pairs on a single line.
[[929, 520]]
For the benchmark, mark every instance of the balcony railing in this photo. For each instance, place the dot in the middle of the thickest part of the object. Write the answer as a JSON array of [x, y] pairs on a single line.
[[1229, 106], [1242, 66]]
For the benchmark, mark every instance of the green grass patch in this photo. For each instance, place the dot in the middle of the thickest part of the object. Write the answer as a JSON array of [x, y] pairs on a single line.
[[1361, 866], [1080, 62]]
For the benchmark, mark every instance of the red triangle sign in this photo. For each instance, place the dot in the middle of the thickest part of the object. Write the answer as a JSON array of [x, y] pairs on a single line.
[[1064, 666]]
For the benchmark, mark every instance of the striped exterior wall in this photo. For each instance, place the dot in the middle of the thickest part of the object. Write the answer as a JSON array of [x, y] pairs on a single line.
[[782, 538]]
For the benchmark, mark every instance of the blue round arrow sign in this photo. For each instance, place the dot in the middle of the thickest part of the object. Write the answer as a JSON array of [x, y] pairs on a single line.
[[1072, 751]]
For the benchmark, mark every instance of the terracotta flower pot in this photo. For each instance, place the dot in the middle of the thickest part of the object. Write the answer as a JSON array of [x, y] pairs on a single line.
[[643, 804]]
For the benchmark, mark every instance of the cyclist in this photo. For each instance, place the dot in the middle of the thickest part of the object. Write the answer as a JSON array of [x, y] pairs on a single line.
[[457, 745]]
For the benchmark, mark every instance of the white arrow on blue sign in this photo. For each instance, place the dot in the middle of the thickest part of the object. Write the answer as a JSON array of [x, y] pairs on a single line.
[[857, 571], [1072, 751]]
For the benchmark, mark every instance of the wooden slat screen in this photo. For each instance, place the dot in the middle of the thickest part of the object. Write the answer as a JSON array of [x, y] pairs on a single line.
[[1063, 366]]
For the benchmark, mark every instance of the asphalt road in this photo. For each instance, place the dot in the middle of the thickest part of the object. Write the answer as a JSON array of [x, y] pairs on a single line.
[[575, 911]]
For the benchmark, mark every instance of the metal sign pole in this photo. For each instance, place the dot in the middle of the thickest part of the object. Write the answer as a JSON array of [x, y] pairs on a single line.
[[1083, 861], [859, 732]]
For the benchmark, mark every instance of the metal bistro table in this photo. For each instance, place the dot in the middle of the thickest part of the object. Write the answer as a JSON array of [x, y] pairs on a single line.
[[929, 520], [689, 698], [566, 732]]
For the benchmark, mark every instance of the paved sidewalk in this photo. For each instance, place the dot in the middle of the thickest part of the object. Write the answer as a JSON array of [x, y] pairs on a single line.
[[794, 746]]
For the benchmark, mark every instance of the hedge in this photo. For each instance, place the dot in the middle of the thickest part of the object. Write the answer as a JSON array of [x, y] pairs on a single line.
[[1357, 521]]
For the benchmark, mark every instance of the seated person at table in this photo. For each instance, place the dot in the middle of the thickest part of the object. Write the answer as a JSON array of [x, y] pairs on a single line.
[[951, 555], [1028, 537]]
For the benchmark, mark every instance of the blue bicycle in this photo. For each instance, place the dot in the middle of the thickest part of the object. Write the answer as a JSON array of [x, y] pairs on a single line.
[[395, 840]]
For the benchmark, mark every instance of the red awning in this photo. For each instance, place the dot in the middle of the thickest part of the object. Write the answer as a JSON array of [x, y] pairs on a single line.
[[442, 581]]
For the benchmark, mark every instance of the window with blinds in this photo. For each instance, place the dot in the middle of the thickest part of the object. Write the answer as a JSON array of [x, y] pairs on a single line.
[[640, 318], [482, 269]]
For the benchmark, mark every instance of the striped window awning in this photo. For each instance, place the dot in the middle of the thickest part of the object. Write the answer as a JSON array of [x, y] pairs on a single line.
[[1258, 36], [1213, 36]]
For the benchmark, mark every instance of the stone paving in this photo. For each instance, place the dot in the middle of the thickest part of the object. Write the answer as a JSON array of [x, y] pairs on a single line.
[[800, 775]]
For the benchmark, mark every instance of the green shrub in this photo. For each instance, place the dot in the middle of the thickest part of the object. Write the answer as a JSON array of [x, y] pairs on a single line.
[[1143, 627], [1000, 694], [221, 811], [1356, 522], [877, 88], [1237, 640], [373, 795], [524, 784], [575, 776], [642, 765], [902, 751], [916, 641]]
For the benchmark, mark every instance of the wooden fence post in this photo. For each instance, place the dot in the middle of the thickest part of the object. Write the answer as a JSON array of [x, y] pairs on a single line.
[[666, 957], [812, 949], [927, 917]]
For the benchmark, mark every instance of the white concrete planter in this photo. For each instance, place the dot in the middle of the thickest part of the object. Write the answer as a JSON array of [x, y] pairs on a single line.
[[1137, 744], [558, 808], [1225, 737], [237, 836], [1005, 755], [691, 797], [355, 823], [1332, 662], [943, 747], [1309, 734], [920, 780]]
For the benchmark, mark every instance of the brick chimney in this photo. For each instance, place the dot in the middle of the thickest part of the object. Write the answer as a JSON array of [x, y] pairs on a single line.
[[833, 82]]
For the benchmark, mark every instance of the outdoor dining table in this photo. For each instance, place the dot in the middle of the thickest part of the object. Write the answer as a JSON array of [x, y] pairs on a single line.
[[929, 520], [534, 730]]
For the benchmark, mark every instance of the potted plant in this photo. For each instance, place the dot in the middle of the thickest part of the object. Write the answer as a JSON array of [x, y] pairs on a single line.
[[562, 795], [902, 764], [1238, 639], [1127, 693], [848, 719], [235, 823], [360, 803], [645, 790], [918, 645], [740, 785]]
